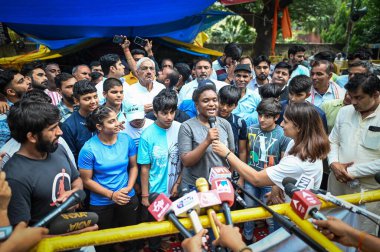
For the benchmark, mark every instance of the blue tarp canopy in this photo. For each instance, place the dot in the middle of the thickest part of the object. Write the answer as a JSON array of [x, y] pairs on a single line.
[[58, 24]]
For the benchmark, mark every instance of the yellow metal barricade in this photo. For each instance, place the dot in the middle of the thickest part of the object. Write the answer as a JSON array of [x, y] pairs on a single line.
[[151, 229]]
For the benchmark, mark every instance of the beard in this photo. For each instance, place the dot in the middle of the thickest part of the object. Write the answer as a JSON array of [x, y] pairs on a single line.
[[69, 99], [262, 76], [45, 146]]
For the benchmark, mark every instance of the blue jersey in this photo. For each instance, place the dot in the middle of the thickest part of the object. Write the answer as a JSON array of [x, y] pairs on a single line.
[[109, 164]]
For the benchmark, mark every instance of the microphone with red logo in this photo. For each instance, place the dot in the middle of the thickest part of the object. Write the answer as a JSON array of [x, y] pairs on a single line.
[[304, 203], [226, 194], [160, 207]]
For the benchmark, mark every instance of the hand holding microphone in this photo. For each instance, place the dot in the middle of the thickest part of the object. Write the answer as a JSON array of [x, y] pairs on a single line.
[[213, 133]]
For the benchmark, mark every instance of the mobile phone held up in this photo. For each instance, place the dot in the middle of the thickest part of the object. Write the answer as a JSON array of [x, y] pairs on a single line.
[[140, 41], [117, 39]]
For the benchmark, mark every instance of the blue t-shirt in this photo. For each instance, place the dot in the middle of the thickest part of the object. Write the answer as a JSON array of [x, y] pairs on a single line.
[[109, 164], [265, 147], [159, 148]]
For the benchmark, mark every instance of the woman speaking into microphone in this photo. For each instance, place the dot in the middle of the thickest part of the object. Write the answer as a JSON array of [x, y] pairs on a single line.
[[303, 156], [196, 135]]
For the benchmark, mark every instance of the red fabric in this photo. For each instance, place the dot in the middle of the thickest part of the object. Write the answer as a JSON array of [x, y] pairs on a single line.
[[285, 24]]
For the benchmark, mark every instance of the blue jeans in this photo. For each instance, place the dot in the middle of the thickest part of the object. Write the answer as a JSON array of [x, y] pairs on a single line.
[[258, 192]]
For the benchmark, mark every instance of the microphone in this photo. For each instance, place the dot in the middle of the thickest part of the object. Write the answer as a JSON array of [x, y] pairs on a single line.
[[226, 194], [211, 121], [160, 207], [69, 222], [218, 172], [75, 198], [240, 200], [285, 223], [202, 186], [304, 203], [377, 177]]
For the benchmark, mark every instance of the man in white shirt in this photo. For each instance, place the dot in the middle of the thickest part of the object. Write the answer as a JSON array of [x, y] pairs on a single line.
[[355, 143], [203, 71], [323, 88], [143, 92]]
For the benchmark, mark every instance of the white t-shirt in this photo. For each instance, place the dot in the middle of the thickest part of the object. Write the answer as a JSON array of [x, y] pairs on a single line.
[[294, 167], [139, 95], [135, 133]]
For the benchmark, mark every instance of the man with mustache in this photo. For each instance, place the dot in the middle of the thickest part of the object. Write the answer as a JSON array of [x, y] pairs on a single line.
[[34, 71], [52, 70], [280, 77], [40, 174], [203, 71], [12, 85], [65, 83], [261, 66]]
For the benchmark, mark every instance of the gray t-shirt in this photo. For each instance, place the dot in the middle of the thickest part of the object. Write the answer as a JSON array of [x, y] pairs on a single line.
[[191, 134]]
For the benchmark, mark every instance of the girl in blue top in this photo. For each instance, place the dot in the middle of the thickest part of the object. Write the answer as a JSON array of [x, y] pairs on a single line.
[[108, 168]]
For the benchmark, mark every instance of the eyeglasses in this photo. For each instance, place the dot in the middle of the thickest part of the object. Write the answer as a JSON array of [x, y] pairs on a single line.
[[144, 68]]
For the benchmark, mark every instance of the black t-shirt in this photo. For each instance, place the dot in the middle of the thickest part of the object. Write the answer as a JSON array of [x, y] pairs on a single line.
[[239, 128], [36, 184]]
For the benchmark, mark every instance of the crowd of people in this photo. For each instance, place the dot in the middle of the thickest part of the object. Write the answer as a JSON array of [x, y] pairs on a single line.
[[125, 127]]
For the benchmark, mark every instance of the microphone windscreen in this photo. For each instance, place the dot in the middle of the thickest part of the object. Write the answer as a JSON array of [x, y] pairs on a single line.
[[289, 189], [212, 120], [289, 180], [377, 177], [202, 185], [80, 194], [225, 190], [69, 222], [152, 197]]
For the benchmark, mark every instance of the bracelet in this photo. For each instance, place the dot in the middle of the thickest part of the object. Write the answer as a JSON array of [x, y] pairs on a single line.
[[246, 248], [360, 242], [227, 155], [112, 195], [144, 195]]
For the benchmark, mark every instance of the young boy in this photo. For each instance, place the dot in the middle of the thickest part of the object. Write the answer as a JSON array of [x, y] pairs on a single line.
[[158, 154], [114, 95], [266, 145], [74, 128], [299, 91], [228, 99]]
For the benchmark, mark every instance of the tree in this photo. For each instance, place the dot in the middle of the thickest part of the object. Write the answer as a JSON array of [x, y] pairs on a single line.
[[309, 15]]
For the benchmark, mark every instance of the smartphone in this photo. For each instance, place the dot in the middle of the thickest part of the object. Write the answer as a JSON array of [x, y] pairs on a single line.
[[117, 39], [140, 41]]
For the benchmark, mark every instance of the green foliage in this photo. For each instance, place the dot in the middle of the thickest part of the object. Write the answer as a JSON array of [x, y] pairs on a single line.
[[365, 31], [232, 29]]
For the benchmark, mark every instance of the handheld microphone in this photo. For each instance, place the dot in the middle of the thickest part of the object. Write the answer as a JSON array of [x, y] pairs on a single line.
[[211, 121], [202, 186], [69, 222], [285, 223], [75, 198], [304, 203], [160, 207], [226, 194]]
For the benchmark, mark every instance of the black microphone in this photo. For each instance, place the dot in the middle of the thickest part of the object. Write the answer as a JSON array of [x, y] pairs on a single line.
[[211, 121], [75, 198], [377, 177], [285, 223], [171, 216], [240, 200], [69, 222]]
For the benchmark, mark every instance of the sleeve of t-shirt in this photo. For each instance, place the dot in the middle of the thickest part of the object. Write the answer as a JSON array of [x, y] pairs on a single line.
[[243, 130], [143, 156], [131, 147], [284, 143], [230, 133], [185, 139], [69, 138], [289, 166], [20, 204], [86, 158]]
